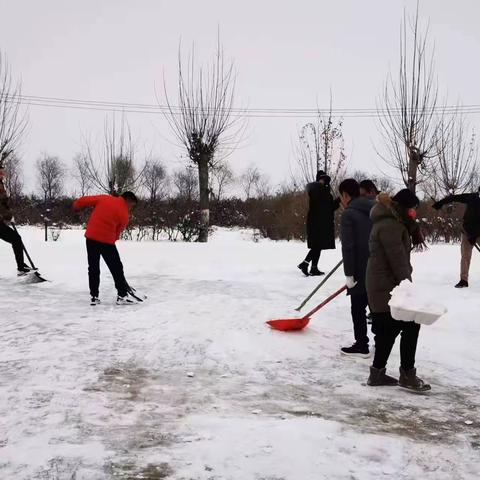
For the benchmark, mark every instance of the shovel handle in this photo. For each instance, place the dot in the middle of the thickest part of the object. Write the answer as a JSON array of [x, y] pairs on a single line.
[[315, 290], [328, 300], [23, 246]]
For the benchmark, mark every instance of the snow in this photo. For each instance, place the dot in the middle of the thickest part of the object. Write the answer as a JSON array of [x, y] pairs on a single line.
[[410, 304], [193, 385]]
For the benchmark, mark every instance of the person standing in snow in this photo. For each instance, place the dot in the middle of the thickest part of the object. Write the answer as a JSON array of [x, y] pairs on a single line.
[[320, 222], [7, 233], [393, 232], [471, 229], [355, 233], [368, 189], [110, 216]]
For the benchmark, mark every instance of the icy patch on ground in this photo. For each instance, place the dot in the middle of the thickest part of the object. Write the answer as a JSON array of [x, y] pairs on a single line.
[[193, 385]]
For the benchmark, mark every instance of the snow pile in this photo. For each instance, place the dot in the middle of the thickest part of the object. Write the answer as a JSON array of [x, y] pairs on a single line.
[[411, 304]]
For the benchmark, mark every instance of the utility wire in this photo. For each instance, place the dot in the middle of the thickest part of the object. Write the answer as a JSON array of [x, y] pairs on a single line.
[[97, 105]]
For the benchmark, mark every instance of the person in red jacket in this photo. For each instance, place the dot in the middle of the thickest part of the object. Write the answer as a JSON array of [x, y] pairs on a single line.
[[109, 218]]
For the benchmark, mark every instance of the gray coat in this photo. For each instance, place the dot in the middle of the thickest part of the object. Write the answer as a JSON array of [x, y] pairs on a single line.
[[355, 233], [389, 262]]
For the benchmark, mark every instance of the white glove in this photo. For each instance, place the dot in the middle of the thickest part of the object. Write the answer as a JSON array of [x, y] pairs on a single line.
[[350, 282]]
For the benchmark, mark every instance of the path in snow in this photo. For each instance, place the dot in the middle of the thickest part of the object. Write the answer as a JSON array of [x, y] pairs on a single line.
[[193, 385]]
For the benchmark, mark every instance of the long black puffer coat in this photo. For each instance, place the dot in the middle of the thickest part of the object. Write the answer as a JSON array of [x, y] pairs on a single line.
[[320, 217]]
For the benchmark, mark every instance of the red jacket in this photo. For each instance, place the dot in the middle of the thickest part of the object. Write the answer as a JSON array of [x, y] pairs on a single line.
[[109, 217]]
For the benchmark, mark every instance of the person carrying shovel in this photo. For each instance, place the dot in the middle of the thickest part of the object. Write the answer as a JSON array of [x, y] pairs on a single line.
[[7, 233]]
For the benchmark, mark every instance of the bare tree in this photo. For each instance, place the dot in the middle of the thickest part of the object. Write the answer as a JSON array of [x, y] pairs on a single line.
[[254, 183], [408, 117], [383, 183], [186, 184], [321, 147], [51, 177], [14, 174], [81, 174], [111, 168], [249, 179], [155, 180], [13, 119], [204, 121], [222, 178], [457, 153]]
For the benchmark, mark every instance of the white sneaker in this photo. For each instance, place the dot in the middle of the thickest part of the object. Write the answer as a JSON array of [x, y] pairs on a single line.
[[126, 300], [94, 301]]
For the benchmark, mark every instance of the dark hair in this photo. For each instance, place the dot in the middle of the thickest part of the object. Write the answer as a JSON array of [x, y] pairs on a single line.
[[369, 186], [321, 175], [406, 199], [350, 186], [129, 197]]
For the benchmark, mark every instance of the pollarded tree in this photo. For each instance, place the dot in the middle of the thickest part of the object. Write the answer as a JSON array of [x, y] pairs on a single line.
[[409, 112], [204, 121], [457, 154], [321, 147], [111, 167], [13, 119]]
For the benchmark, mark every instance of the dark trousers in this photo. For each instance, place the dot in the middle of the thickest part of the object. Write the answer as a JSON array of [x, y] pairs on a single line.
[[386, 330], [313, 256], [359, 303], [110, 255], [11, 236]]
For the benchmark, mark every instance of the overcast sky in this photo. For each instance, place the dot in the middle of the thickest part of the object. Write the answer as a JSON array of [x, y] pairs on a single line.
[[287, 55]]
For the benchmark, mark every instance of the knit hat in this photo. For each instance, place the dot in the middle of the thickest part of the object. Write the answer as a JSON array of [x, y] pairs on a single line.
[[406, 199], [321, 175]]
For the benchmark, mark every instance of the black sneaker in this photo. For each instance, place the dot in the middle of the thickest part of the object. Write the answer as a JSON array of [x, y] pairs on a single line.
[[315, 272], [356, 351], [462, 284], [94, 301], [24, 270], [304, 268]]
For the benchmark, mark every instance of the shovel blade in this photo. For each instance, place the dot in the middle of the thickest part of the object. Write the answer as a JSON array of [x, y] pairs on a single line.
[[289, 324], [33, 277]]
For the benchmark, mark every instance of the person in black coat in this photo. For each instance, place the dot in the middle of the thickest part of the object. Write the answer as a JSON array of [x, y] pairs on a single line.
[[320, 222], [471, 229], [355, 233]]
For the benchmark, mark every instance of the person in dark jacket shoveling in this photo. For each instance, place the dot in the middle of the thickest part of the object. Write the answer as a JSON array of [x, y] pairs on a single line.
[[7, 233], [471, 229], [320, 222], [355, 233], [393, 232]]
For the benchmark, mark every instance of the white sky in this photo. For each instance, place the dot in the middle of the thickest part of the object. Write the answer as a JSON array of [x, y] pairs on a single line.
[[287, 54]]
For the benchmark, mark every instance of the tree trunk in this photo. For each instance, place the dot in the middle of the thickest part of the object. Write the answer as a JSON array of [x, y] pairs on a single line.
[[412, 172], [204, 198]]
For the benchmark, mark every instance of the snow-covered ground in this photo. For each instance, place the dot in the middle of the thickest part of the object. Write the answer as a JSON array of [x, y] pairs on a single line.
[[193, 385]]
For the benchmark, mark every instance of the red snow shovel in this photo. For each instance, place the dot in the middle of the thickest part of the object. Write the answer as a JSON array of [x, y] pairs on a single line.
[[287, 324]]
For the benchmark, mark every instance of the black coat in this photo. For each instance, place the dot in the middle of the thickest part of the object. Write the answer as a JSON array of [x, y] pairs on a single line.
[[471, 218], [355, 233], [320, 217]]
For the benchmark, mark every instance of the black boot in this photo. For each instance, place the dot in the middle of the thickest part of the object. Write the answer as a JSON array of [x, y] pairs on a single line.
[[304, 268], [408, 379], [315, 272], [462, 284], [379, 378]]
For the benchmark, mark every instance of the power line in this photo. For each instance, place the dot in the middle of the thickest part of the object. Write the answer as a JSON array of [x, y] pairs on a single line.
[[108, 106]]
